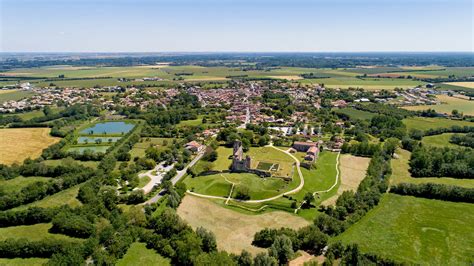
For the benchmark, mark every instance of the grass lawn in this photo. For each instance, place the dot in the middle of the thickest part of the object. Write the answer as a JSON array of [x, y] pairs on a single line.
[[408, 229], [224, 159], [354, 113], [17, 144], [91, 164], [400, 173], [67, 196], [190, 123], [32, 232], [273, 156], [143, 181], [138, 254], [448, 105], [425, 123], [22, 262], [16, 184], [441, 140]]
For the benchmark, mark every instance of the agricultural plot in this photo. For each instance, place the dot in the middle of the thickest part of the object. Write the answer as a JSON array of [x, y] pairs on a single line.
[[466, 84], [407, 229], [234, 230], [138, 254], [355, 114], [353, 170], [425, 123], [14, 95], [400, 173], [448, 104], [441, 140], [365, 83], [18, 144]]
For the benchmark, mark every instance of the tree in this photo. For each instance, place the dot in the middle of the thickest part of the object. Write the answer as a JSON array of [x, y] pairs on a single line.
[[282, 249], [308, 198], [263, 259], [245, 258], [208, 238], [221, 258], [312, 239]]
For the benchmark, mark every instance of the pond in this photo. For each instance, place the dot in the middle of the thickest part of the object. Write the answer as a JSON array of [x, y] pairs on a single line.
[[96, 149], [82, 140], [108, 128]]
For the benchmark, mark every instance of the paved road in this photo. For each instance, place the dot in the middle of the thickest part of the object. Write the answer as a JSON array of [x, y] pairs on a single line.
[[176, 178], [300, 186]]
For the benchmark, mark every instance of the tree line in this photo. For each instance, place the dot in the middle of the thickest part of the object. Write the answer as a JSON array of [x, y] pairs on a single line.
[[435, 191]]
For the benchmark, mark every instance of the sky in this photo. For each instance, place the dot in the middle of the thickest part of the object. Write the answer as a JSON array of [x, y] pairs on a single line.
[[239, 25]]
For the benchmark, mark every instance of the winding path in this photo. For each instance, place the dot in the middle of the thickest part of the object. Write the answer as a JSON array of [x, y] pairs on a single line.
[[295, 190]]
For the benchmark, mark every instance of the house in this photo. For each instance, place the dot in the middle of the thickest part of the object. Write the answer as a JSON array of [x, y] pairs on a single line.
[[193, 146], [339, 104], [303, 146]]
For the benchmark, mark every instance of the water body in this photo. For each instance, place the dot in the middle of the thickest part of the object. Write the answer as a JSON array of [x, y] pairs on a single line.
[[95, 149], [91, 140], [109, 128]]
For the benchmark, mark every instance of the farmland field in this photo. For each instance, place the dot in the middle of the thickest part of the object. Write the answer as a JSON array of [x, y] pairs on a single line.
[[441, 140], [234, 230], [400, 173], [32, 232], [13, 95], [138, 254], [18, 144], [448, 104], [407, 229], [425, 123], [353, 170], [354, 113], [466, 84]]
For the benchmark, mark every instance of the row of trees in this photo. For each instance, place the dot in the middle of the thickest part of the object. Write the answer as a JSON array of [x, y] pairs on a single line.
[[435, 191], [463, 140]]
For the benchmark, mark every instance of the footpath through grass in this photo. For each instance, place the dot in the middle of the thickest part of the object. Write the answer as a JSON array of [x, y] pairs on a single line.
[[416, 230]]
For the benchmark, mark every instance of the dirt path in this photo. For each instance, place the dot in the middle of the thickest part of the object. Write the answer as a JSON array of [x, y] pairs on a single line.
[[234, 230]]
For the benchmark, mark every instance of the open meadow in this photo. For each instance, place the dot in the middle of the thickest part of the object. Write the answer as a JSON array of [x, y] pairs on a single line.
[[425, 123], [408, 229], [65, 197], [18, 144], [441, 140], [14, 95], [234, 230], [138, 254]]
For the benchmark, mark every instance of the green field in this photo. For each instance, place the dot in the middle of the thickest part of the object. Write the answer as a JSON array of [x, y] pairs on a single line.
[[14, 185], [425, 123], [32, 232], [274, 156], [448, 104], [14, 95], [355, 114], [224, 159], [139, 148], [400, 173], [22, 262], [408, 229], [365, 83], [67, 196], [441, 140], [138, 254]]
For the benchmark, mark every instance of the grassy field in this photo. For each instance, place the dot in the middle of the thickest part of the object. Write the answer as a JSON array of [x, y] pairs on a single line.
[[22, 262], [16, 184], [441, 140], [274, 156], [91, 164], [139, 148], [407, 229], [353, 170], [466, 84], [365, 83], [14, 95], [448, 105], [354, 113], [400, 173], [425, 123], [32, 232], [234, 230], [138, 254], [224, 159], [67, 196], [17, 144]]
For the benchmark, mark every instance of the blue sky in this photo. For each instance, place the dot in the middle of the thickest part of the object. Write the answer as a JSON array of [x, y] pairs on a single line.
[[226, 25]]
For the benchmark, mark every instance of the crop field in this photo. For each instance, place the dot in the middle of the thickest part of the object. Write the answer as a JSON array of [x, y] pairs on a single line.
[[354, 113], [14, 95], [365, 83], [466, 84], [400, 173], [425, 123], [65, 197], [14, 185], [448, 104], [234, 230], [32, 232], [353, 170], [18, 144], [407, 229], [138, 254], [441, 140]]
